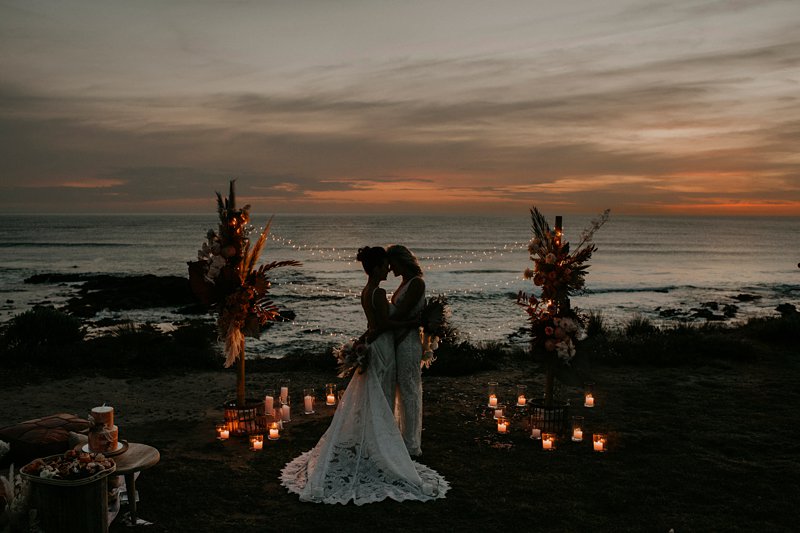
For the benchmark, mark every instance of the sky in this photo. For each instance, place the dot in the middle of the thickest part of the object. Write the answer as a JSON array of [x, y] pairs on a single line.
[[645, 107]]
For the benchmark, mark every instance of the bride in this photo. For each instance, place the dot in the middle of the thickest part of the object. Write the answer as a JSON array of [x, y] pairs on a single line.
[[362, 456]]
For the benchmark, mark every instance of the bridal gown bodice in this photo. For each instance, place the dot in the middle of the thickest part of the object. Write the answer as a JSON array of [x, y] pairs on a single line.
[[362, 457]]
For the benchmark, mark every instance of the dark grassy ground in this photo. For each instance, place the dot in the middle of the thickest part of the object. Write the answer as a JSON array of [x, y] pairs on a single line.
[[703, 424], [708, 448]]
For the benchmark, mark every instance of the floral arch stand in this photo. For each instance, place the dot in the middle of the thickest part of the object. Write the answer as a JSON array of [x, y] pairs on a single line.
[[225, 276], [555, 326]]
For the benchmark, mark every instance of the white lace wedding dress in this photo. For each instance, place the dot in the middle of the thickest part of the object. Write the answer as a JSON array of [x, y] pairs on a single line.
[[408, 403], [362, 457]]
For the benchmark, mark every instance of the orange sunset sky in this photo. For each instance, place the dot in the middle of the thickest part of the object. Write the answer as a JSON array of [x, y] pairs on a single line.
[[679, 107]]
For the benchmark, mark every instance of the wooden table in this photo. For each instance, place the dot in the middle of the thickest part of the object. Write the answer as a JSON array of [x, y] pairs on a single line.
[[136, 458]]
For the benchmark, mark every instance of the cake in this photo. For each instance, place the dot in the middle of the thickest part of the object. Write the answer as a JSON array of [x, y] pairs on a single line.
[[103, 434]]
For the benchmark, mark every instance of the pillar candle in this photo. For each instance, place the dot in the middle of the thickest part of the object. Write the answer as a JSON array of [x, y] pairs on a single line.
[[269, 404], [492, 401], [331, 400], [224, 434], [502, 427], [547, 444], [308, 403], [589, 401], [284, 394], [598, 446], [536, 433], [258, 444], [285, 413], [274, 433], [577, 434]]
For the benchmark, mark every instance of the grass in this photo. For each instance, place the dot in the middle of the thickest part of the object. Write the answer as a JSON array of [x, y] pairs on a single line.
[[694, 449], [697, 418]]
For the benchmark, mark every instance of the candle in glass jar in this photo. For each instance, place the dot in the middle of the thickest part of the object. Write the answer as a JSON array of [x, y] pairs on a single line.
[[521, 401], [274, 432], [224, 434], [599, 444], [502, 426], [284, 394], [285, 413], [589, 401], [258, 444], [269, 404], [577, 434], [331, 400], [492, 401], [547, 444], [308, 403]]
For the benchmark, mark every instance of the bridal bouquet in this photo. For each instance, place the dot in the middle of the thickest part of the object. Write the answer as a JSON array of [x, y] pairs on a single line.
[[435, 319], [352, 356]]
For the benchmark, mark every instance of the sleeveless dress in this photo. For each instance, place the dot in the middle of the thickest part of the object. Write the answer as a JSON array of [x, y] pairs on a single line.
[[408, 402], [362, 457]]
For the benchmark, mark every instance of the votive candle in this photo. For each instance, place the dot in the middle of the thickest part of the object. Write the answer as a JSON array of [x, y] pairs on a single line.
[[589, 401], [274, 432], [577, 434], [521, 401], [492, 401], [330, 400], [502, 425], [599, 442]]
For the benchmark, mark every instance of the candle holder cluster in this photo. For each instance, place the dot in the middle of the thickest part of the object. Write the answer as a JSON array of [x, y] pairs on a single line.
[[266, 418], [548, 426]]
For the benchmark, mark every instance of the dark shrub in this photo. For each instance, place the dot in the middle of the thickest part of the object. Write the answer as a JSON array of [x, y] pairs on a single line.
[[639, 326], [42, 335]]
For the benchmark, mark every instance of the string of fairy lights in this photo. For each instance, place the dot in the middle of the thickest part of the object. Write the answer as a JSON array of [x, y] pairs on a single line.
[[439, 262]]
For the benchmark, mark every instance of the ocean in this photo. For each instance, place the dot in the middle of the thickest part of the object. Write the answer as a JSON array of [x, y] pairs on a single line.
[[644, 266]]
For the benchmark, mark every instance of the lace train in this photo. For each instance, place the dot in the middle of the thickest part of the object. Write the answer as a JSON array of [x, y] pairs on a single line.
[[362, 456]]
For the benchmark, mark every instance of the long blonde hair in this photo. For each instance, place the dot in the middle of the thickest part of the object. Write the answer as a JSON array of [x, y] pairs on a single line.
[[400, 253]]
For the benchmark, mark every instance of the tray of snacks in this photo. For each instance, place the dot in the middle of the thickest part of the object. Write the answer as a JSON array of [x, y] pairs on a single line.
[[69, 469]]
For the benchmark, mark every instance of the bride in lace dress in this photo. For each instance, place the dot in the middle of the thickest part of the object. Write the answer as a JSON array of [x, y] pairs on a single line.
[[408, 301], [362, 457]]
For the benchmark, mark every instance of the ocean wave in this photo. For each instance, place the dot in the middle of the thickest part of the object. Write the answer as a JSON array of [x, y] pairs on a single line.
[[66, 245]]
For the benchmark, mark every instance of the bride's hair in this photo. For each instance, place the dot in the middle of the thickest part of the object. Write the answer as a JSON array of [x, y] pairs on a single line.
[[400, 253], [371, 256]]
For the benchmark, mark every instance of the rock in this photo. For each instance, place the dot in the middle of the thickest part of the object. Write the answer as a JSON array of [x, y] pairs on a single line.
[[707, 314], [105, 291], [730, 310], [742, 297], [669, 313], [714, 306], [786, 309]]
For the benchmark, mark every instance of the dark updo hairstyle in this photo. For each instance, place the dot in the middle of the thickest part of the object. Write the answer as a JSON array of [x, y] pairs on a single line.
[[371, 257]]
